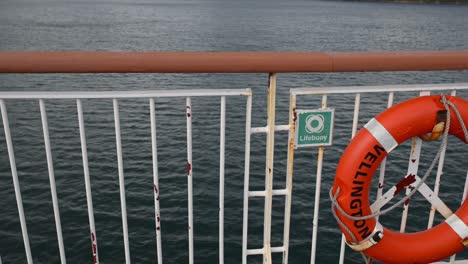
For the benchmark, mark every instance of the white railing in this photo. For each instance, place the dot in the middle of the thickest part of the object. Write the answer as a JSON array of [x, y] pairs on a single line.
[[415, 152], [115, 96], [270, 129]]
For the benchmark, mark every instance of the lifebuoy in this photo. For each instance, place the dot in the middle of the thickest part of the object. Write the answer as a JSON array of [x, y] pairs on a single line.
[[359, 163]]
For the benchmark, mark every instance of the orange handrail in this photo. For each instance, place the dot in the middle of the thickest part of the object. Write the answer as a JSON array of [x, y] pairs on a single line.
[[229, 62]]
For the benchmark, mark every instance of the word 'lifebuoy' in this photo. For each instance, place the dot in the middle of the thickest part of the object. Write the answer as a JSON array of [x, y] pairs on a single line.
[[359, 163]]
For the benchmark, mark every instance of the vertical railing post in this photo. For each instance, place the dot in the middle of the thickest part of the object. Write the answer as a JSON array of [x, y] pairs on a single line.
[[123, 203], [440, 168], [318, 185], [89, 197], [413, 165], [188, 108], [465, 192], [384, 161], [245, 221], [270, 150], [157, 214], [357, 105], [222, 147], [53, 189], [16, 185], [289, 176]]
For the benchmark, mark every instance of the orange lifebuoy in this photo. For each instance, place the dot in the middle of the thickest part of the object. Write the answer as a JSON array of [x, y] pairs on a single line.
[[359, 163]]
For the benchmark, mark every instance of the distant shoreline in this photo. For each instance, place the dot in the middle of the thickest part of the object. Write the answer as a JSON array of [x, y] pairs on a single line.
[[441, 2]]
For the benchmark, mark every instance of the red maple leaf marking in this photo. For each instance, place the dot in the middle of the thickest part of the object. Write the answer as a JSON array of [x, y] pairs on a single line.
[[405, 182], [189, 168]]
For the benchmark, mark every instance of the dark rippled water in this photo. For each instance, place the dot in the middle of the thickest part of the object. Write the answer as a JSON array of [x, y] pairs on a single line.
[[258, 25]]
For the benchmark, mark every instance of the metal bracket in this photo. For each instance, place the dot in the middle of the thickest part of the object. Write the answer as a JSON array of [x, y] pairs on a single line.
[[438, 128], [374, 238]]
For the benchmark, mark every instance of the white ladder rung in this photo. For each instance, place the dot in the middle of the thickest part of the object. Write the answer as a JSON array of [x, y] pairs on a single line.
[[262, 193], [277, 249], [258, 130], [260, 251]]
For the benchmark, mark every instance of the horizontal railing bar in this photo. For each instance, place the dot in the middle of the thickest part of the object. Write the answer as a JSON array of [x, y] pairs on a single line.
[[123, 94], [262, 193], [258, 130], [229, 62], [378, 89], [259, 251]]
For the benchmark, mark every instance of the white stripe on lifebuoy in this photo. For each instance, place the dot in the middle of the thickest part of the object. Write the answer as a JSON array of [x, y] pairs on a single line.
[[381, 134], [458, 226], [359, 164]]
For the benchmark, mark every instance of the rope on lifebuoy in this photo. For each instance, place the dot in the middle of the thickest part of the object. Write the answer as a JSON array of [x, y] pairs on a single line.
[[377, 234]]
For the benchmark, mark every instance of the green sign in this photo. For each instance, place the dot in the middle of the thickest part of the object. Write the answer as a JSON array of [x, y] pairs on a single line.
[[314, 127]]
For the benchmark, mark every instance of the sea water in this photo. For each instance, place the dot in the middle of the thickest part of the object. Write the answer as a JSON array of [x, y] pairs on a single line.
[[199, 25]]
